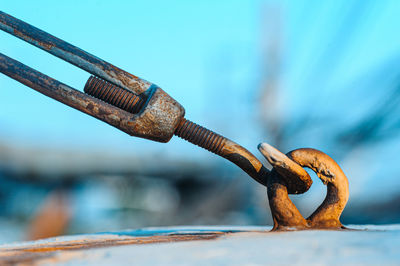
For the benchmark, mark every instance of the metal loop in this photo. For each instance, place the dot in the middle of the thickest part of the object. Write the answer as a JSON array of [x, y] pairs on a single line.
[[284, 212]]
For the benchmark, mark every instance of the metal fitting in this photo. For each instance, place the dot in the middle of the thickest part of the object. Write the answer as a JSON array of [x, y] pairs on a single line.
[[285, 214]]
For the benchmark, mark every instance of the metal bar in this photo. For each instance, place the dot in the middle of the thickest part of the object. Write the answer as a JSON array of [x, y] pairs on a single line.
[[72, 54], [63, 93]]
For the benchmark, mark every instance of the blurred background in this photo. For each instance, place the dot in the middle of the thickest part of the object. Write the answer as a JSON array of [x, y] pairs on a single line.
[[321, 74]]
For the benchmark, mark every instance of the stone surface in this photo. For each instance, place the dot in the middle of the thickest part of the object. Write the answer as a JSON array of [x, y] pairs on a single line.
[[363, 245]]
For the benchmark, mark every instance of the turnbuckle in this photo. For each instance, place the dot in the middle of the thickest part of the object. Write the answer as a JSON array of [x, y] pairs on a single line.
[[142, 109]]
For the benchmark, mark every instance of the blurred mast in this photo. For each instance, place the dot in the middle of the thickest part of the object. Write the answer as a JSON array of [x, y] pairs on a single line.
[[270, 109]]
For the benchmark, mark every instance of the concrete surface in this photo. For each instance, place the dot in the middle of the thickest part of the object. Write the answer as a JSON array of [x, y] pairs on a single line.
[[362, 245]]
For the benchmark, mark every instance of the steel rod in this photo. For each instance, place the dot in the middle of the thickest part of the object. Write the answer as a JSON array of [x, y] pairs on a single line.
[[72, 54], [63, 93]]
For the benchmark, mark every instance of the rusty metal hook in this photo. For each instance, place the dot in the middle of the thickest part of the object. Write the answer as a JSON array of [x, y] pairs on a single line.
[[284, 212]]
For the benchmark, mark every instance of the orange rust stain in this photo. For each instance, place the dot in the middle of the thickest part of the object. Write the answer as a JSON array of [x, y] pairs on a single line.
[[118, 70], [32, 253], [46, 46], [90, 107], [85, 244]]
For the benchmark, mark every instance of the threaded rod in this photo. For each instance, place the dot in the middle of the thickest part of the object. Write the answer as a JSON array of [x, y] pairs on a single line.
[[113, 95], [200, 136]]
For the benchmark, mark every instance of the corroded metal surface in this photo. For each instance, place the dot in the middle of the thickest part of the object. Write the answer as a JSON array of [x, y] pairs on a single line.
[[114, 95], [284, 212], [297, 179], [224, 147]]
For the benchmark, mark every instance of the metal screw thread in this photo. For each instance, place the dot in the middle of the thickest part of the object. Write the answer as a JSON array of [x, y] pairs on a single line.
[[132, 103], [114, 95], [200, 136]]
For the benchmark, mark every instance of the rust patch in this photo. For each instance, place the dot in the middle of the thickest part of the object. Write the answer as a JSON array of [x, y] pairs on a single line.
[[43, 45], [124, 76], [90, 106]]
